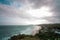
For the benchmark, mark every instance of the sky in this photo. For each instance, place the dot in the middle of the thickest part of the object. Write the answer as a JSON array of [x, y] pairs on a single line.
[[25, 12]]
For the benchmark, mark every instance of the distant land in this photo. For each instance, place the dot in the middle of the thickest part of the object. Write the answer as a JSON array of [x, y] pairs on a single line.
[[48, 32]]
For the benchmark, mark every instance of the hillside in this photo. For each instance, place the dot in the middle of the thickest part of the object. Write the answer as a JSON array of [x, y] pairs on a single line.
[[24, 37]]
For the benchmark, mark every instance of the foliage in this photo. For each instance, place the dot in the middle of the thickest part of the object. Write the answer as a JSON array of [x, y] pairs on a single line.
[[24, 37]]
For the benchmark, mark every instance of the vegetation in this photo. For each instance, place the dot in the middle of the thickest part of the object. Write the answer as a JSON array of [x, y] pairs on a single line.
[[24, 37], [46, 33]]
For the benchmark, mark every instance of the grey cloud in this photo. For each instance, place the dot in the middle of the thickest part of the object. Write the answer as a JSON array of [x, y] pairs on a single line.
[[56, 12], [20, 1], [9, 11], [36, 3], [12, 12], [10, 15], [40, 3], [53, 19], [56, 8]]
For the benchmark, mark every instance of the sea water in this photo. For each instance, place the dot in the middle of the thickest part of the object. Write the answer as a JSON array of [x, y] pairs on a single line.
[[7, 31]]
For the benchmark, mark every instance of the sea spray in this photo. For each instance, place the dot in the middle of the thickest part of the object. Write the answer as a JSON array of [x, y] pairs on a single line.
[[28, 30], [36, 30], [32, 30]]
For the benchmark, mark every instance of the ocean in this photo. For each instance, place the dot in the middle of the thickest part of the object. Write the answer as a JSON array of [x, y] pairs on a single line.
[[7, 31]]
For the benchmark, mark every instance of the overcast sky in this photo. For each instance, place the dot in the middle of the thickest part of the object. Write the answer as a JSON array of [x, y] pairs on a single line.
[[21, 12]]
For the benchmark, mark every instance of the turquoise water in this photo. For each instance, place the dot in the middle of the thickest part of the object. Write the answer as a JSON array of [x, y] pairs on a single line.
[[8, 31]]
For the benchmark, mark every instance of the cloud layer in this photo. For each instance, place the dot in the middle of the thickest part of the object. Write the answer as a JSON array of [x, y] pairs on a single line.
[[29, 12]]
